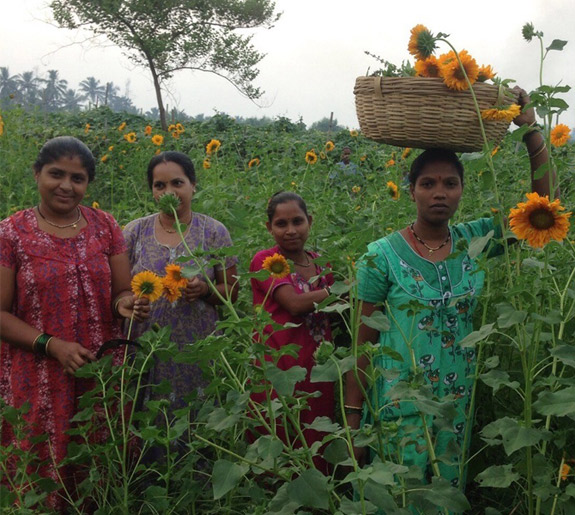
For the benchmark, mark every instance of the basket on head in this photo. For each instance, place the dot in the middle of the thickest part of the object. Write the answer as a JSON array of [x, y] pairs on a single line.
[[423, 112]]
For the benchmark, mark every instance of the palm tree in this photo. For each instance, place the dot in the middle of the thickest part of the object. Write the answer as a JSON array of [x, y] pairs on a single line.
[[71, 101], [8, 86], [28, 88], [93, 90], [55, 90]]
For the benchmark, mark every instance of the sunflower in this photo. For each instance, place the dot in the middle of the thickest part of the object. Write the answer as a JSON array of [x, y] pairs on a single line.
[[353, 133], [428, 67], [539, 221], [454, 76], [148, 130], [501, 113], [390, 163], [157, 139], [322, 155], [392, 190], [329, 146], [175, 135], [485, 73], [87, 128], [494, 151], [213, 146], [147, 284], [421, 43], [111, 148], [130, 137], [276, 265], [253, 162], [171, 295], [565, 470], [1, 126], [180, 128], [122, 126], [174, 278], [171, 127], [207, 163], [311, 157], [406, 152], [104, 158], [363, 158], [95, 205], [560, 135], [356, 189]]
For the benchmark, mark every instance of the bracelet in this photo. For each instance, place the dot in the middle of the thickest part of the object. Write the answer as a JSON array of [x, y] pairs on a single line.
[[531, 128], [115, 308], [40, 343], [352, 410], [46, 349], [328, 290], [208, 294], [540, 149]]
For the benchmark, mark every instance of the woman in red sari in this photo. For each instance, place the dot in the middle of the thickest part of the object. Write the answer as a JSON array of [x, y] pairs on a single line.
[[65, 279]]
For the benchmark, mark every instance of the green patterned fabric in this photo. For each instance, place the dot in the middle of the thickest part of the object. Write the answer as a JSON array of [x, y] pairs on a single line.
[[442, 297]]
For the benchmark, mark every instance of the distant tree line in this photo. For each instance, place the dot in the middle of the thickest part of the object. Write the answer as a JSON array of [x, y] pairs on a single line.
[[52, 93]]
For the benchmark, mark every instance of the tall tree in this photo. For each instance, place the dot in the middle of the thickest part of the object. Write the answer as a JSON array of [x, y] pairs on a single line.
[[93, 90], [28, 84], [8, 84], [166, 36], [54, 91]]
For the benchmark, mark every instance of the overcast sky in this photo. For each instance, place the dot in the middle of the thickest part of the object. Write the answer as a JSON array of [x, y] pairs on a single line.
[[314, 53]]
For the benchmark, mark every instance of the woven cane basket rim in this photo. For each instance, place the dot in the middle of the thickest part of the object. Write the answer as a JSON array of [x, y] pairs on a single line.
[[422, 112]]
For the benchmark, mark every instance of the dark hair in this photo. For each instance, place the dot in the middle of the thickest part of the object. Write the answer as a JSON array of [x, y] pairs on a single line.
[[434, 155], [281, 197], [66, 146], [172, 157]]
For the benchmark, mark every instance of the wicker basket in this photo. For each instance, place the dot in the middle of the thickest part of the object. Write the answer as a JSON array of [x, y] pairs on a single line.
[[423, 113]]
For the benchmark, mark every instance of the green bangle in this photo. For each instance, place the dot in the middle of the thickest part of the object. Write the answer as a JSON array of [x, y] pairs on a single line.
[[40, 342]]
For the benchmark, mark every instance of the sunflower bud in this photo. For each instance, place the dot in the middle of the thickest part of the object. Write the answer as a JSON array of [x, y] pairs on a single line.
[[528, 31], [168, 202]]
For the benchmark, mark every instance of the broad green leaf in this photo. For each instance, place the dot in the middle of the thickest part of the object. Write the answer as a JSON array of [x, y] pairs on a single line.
[[497, 476], [323, 424], [509, 316], [310, 489], [226, 475], [329, 372], [284, 381], [560, 403], [565, 354], [556, 44], [443, 495], [478, 244], [349, 507], [219, 419], [476, 336], [498, 378], [268, 446], [377, 321], [336, 452]]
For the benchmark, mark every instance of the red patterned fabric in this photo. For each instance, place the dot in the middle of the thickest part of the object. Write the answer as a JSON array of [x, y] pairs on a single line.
[[311, 330], [62, 287]]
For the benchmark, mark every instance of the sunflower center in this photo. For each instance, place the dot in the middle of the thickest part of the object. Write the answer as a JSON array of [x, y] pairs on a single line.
[[542, 219], [277, 267], [147, 287]]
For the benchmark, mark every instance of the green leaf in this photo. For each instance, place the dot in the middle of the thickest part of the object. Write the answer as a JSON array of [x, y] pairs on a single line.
[[336, 452], [442, 494], [219, 419], [498, 378], [476, 336], [478, 244], [329, 372], [377, 321], [556, 44], [497, 476], [560, 403], [509, 316], [310, 489], [284, 381], [323, 424], [565, 354], [226, 475], [269, 447]]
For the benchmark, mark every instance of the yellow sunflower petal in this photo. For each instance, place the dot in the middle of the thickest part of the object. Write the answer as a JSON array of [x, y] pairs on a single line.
[[276, 265]]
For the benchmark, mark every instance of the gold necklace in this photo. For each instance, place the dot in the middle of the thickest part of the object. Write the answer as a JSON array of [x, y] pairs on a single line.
[[172, 231], [430, 249], [73, 224], [301, 264]]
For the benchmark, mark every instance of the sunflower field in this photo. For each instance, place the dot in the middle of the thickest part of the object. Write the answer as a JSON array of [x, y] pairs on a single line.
[[522, 442]]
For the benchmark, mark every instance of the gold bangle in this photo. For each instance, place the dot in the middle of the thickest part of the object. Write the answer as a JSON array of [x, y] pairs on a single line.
[[541, 148], [47, 344]]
